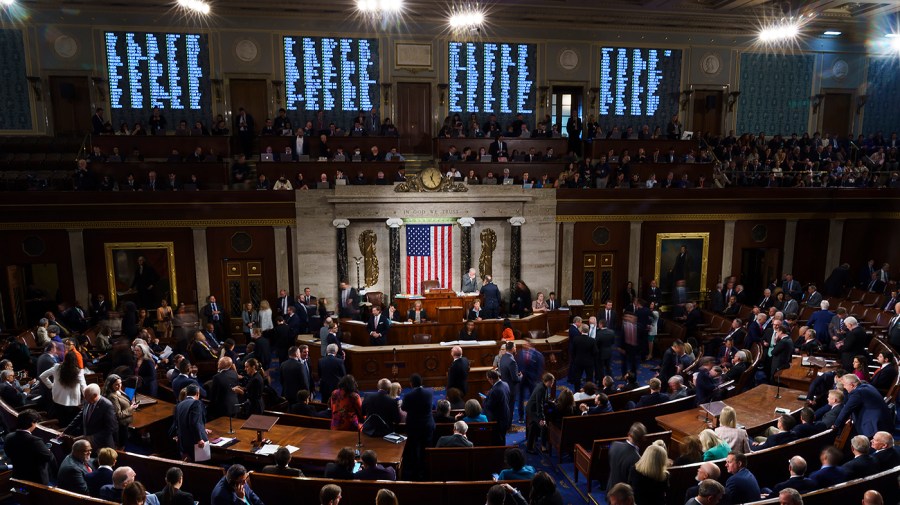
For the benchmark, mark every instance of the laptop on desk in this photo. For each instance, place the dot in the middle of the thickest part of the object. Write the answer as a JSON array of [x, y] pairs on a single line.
[[266, 157]]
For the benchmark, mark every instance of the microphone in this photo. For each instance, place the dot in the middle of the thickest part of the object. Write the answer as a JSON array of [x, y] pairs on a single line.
[[777, 375], [359, 444], [239, 406]]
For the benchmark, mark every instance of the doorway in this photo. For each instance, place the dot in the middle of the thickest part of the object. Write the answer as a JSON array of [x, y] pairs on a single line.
[[597, 281], [70, 98], [243, 283], [759, 266], [707, 115], [253, 96], [565, 101], [414, 117], [836, 113]]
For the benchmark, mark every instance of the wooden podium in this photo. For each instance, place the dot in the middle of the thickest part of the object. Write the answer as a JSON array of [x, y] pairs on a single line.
[[259, 424]]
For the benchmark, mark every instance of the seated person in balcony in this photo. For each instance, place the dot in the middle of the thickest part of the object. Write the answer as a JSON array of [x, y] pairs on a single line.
[[374, 154], [472, 178], [282, 184], [240, 171], [489, 179], [388, 129], [359, 180], [324, 151], [550, 155], [220, 128], [358, 130], [340, 155], [417, 313], [300, 182], [381, 180], [451, 155], [182, 130], [262, 183], [393, 155], [454, 173], [499, 148]]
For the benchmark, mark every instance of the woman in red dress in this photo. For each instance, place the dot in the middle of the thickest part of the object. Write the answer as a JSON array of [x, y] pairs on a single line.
[[346, 405]]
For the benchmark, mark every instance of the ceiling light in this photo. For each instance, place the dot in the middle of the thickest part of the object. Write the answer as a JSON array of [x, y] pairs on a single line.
[[466, 19], [780, 31], [892, 35], [832, 33], [197, 6], [7, 3], [373, 6]]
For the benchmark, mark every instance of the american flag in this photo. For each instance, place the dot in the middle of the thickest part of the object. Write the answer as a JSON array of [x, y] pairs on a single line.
[[429, 255]]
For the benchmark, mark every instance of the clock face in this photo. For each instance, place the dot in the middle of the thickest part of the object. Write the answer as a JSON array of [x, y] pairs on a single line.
[[431, 178]]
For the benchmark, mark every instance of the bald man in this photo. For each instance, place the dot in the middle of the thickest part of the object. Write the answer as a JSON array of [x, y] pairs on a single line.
[[872, 497], [222, 394], [97, 420], [458, 376]]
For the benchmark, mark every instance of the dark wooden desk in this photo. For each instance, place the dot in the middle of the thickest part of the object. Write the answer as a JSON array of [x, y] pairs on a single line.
[[368, 364], [348, 143], [489, 329], [160, 146], [317, 447], [755, 409], [312, 170], [212, 175], [602, 147], [800, 377], [552, 169], [432, 301], [154, 419]]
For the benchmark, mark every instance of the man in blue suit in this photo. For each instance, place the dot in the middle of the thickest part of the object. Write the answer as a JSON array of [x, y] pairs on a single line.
[[190, 422], [830, 473], [491, 295], [419, 428], [820, 320], [377, 327], [742, 486], [866, 406], [233, 489], [496, 407]]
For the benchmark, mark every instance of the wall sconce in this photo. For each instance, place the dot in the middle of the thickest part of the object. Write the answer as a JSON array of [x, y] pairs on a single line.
[[732, 100], [816, 101], [35, 86], [277, 85], [217, 88], [443, 93], [98, 85], [860, 103], [685, 98], [545, 94], [386, 91], [592, 93]]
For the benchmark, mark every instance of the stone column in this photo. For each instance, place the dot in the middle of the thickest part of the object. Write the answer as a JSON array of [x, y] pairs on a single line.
[[727, 252], [201, 264], [342, 266], [567, 253], [394, 224], [634, 255], [515, 252], [79, 267], [835, 240], [295, 259], [790, 239], [465, 244], [282, 279]]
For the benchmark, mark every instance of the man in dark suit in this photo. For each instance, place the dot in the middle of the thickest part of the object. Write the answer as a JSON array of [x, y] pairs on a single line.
[[377, 327], [767, 300], [830, 473], [184, 378], [282, 339], [419, 427], [223, 399], [669, 365], [294, 375], [865, 405], [854, 342], [458, 438], [103, 475], [74, 467], [655, 397], [584, 352], [214, 313], [797, 469], [828, 413], [531, 366], [458, 376], [331, 370], [234, 489], [653, 293], [9, 393], [97, 121], [121, 478], [862, 464], [812, 298], [295, 321], [608, 315], [884, 377], [893, 331], [96, 421], [819, 321], [190, 422], [284, 301], [536, 416], [349, 299], [782, 352], [605, 339], [875, 284], [624, 454], [371, 470], [784, 435], [490, 293], [31, 459], [496, 407], [742, 486], [499, 148], [886, 455], [382, 405], [755, 331], [510, 374]]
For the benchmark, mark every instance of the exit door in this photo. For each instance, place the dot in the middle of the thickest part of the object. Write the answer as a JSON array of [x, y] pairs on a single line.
[[759, 266], [243, 283], [596, 283]]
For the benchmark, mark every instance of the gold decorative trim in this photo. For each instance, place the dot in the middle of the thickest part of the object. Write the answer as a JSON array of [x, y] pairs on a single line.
[[183, 223], [589, 218]]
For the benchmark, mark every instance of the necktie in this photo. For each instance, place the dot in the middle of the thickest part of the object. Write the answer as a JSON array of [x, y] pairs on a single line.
[[630, 337], [376, 322], [87, 467], [87, 412], [607, 317]]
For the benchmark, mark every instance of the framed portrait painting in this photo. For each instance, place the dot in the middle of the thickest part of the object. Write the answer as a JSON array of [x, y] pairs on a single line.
[[142, 273], [681, 262]]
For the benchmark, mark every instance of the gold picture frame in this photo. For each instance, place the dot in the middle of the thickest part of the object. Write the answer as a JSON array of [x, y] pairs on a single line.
[[668, 248], [157, 282]]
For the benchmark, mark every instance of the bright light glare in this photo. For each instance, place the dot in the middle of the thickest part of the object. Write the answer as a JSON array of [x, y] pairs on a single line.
[[379, 5], [780, 32], [895, 44], [198, 6], [832, 33], [7, 3], [467, 19], [892, 35]]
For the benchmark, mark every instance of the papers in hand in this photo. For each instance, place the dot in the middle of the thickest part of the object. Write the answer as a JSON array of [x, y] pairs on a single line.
[[202, 453], [166, 353]]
